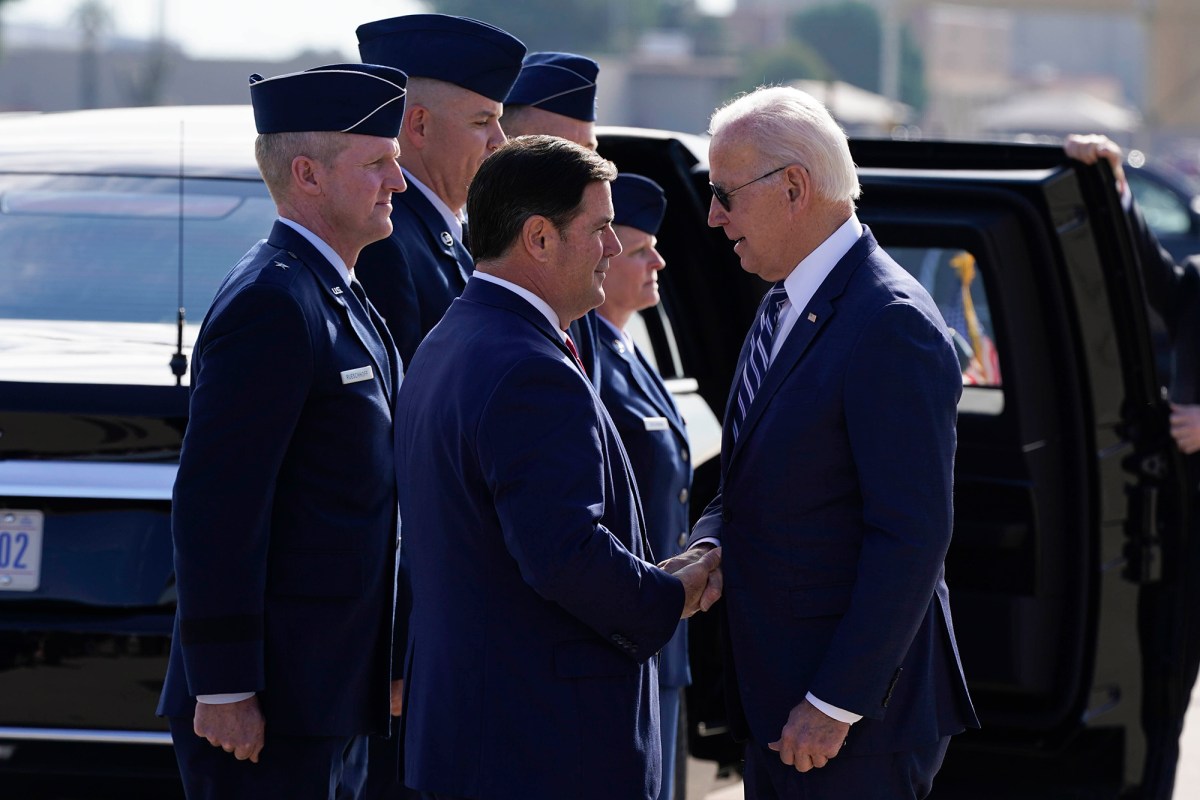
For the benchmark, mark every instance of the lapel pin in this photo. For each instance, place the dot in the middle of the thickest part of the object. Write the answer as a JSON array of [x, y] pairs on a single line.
[[812, 317], [447, 239]]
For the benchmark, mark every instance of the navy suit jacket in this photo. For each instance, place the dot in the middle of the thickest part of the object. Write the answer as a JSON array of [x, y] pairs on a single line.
[[835, 514], [535, 619], [284, 510], [634, 394], [413, 275]]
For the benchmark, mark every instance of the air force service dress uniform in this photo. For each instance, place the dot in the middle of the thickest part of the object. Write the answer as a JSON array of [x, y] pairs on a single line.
[[565, 83], [284, 515], [414, 275], [656, 439], [535, 618]]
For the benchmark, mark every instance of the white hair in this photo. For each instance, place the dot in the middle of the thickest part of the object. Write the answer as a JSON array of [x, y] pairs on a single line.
[[788, 126]]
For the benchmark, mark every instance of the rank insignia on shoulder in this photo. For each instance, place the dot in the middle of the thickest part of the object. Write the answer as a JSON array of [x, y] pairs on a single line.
[[447, 239], [282, 265], [336, 289]]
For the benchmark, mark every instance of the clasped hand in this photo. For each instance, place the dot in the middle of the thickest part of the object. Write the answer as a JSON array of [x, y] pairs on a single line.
[[700, 571]]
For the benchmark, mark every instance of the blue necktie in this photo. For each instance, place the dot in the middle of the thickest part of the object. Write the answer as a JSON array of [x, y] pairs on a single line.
[[759, 355]]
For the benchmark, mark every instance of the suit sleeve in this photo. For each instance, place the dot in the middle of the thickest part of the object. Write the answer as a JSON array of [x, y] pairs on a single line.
[[901, 396], [542, 451], [249, 388]]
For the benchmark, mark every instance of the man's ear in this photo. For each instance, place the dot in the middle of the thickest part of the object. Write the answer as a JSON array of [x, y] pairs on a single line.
[[798, 182], [306, 174], [538, 237], [417, 127]]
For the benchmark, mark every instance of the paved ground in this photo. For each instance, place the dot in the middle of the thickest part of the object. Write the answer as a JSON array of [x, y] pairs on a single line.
[[704, 785]]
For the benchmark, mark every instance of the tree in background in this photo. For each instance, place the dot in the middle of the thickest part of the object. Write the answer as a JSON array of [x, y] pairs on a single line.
[[848, 36], [3, 3], [792, 61]]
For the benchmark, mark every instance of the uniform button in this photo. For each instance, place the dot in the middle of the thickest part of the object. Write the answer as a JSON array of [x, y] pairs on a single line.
[[683, 455], [683, 539], [683, 495], [726, 515]]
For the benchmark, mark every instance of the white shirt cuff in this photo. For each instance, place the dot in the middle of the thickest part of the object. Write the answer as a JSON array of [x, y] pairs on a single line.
[[707, 540], [840, 714], [222, 699]]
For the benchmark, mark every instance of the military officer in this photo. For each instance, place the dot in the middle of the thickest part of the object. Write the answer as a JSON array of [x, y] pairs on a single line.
[[284, 513], [461, 71]]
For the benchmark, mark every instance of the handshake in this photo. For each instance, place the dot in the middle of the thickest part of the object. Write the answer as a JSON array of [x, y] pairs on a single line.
[[700, 571]]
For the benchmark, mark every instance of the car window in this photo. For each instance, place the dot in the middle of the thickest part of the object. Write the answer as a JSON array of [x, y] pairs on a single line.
[[952, 277], [107, 248], [1165, 212], [91, 270]]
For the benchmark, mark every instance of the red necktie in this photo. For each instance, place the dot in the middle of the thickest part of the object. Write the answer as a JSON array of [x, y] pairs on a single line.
[[574, 352]]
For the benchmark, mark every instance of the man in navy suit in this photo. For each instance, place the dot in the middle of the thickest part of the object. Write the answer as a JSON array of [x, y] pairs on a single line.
[[284, 510], [555, 95], [536, 617], [650, 425], [835, 508], [461, 70]]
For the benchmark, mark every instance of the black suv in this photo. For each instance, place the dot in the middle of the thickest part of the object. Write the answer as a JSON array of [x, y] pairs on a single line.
[[1070, 503]]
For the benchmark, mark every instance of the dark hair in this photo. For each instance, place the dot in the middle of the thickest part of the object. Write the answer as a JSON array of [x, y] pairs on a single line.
[[530, 175]]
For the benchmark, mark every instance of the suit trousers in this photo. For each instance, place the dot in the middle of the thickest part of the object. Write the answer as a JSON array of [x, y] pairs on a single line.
[[295, 767], [904, 775]]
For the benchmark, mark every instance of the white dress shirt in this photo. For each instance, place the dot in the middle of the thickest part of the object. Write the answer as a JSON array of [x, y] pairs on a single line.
[[528, 296]]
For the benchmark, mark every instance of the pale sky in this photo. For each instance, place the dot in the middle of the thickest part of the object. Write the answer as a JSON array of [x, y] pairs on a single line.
[[267, 29]]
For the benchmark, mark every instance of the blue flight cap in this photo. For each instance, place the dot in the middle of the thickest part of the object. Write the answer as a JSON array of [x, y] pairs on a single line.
[[462, 51], [638, 202], [560, 82], [348, 98]]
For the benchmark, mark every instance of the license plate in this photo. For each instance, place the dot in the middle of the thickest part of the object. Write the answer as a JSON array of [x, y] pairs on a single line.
[[20, 550]]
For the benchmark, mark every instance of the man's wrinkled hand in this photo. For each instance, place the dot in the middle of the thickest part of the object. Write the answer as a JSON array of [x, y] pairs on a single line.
[[700, 571], [236, 728], [810, 739], [1185, 427], [397, 697], [1092, 147]]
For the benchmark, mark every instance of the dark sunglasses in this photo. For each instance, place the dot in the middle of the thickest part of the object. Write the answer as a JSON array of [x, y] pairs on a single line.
[[723, 196]]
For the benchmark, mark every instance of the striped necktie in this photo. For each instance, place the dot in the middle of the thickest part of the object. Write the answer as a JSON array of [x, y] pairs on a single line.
[[759, 355]]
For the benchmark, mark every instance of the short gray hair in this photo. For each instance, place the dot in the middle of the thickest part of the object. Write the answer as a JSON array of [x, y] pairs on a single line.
[[789, 126], [275, 152]]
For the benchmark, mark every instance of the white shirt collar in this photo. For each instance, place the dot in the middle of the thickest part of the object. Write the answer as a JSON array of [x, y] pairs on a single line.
[[452, 220], [322, 248], [526, 295], [811, 272]]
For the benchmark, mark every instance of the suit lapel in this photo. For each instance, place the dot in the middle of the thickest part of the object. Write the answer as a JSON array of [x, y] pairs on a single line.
[[339, 294], [811, 320], [486, 293]]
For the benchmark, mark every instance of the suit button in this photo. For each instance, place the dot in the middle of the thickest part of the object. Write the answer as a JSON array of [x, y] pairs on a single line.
[[683, 539], [683, 455], [726, 515], [683, 495]]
